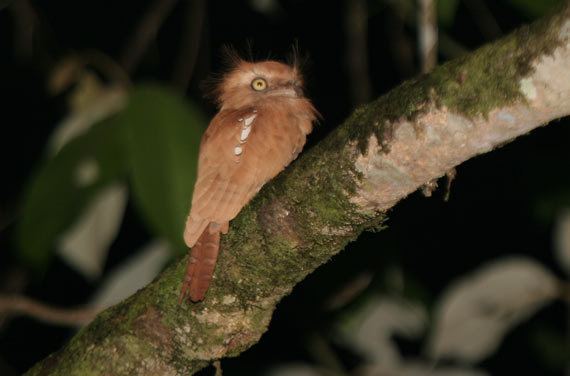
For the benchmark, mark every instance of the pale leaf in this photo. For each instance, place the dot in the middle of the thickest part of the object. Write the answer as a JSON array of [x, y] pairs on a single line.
[[132, 275], [91, 107], [84, 246], [371, 330], [477, 311]]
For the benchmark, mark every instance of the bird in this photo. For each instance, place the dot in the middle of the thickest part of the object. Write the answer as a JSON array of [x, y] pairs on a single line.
[[261, 126]]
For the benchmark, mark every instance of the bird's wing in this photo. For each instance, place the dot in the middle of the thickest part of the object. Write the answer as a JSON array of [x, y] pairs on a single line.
[[240, 151]]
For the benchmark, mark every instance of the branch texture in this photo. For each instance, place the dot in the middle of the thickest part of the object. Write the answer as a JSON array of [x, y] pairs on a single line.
[[342, 186]]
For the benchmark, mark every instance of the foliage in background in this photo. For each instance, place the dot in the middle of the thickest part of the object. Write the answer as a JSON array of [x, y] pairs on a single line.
[[152, 143]]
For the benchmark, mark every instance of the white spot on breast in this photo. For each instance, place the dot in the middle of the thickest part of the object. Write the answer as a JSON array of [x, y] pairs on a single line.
[[248, 120], [244, 134], [238, 150]]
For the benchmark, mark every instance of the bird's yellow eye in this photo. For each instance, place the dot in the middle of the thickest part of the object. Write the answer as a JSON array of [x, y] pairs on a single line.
[[259, 84]]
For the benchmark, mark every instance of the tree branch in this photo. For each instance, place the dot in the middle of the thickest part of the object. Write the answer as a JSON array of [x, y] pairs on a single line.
[[383, 152]]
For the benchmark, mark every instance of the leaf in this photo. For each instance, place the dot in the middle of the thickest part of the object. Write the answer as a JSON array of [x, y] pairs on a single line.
[[64, 185], [85, 245], [476, 312], [132, 275], [562, 240], [446, 11], [370, 331], [162, 136], [98, 104]]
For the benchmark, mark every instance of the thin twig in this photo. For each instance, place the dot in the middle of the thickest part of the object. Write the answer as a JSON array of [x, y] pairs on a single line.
[[356, 25], [427, 34], [14, 280], [21, 305], [190, 43], [145, 32]]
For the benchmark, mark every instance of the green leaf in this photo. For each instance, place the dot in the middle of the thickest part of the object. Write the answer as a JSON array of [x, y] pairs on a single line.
[[162, 136], [534, 8], [63, 186], [446, 10]]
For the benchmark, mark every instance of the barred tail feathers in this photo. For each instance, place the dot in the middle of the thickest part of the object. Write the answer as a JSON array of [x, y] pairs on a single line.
[[201, 264]]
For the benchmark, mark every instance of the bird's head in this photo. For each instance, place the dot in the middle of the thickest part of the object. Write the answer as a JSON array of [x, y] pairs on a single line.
[[246, 83]]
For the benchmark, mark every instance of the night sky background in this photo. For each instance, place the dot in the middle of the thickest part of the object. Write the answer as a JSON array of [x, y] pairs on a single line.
[[503, 203]]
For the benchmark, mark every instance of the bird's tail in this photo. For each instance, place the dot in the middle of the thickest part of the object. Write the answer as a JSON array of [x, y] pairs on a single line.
[[201, 264]]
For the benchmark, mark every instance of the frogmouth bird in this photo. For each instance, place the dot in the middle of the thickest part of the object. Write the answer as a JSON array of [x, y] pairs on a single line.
[[261, 126]]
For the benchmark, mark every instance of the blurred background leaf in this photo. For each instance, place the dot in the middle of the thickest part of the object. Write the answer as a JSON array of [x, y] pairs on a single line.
[[477, 311], [163, 133], [132, 275], [84, 246], [64, 185]]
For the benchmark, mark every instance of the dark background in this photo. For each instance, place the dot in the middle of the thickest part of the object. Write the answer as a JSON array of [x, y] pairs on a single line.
[[502, 203]]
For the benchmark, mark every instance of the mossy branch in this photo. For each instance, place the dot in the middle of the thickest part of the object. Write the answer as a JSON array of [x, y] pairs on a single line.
[[336, 190]]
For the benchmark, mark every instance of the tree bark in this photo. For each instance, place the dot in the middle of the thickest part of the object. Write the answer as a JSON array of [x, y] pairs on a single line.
[[342, 186]]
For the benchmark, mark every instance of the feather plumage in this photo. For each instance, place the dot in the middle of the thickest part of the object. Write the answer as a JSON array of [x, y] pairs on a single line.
[[254, 136]]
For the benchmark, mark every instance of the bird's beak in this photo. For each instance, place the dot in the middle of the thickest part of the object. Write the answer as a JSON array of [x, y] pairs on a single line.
[[290, 89]]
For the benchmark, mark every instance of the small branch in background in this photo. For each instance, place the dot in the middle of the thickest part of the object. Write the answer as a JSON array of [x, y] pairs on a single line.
[[427, 34], [483, 17], [145, 32], [356, 25], [190, 43], [13, 281], [25, 21], [21, 305]]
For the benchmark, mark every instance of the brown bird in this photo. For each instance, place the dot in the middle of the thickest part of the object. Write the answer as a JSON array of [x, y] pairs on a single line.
[[261, 126]]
